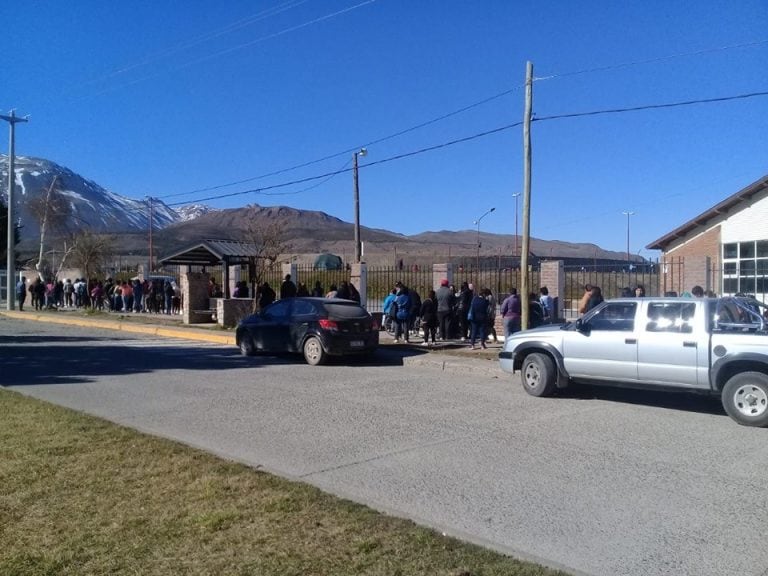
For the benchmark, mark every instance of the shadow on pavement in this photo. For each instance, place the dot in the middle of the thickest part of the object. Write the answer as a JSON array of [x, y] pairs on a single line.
[[66, 360], [672, 400]]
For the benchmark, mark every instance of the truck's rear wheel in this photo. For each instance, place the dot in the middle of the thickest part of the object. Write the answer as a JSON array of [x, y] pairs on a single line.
[[539, 375], [745, 398]]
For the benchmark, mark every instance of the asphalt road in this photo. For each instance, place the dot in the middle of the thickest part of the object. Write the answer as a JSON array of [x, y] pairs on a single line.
[[598, 482]]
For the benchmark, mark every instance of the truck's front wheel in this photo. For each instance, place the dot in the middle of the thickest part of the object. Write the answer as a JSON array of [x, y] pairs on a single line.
[[745, 398], [539, 375]]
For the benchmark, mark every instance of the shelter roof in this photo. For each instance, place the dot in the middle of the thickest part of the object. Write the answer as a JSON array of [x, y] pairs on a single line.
[[213, 252]]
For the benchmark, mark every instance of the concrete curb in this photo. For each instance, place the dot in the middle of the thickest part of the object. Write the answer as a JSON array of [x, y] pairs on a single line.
[[180, 333]]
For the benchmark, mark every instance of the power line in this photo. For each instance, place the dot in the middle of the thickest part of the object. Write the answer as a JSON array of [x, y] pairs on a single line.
[[651, 106], [651, 60], [243, 22], [238, 47], [350, 150], [265, 189]]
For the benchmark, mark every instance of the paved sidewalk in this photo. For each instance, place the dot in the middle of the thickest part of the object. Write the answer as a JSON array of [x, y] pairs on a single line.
[[449, 356]]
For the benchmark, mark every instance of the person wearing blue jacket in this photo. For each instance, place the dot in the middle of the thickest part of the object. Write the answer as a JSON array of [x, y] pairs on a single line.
[[478, 319], [403, 303]]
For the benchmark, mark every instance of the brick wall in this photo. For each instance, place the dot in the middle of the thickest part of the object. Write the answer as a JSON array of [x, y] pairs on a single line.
[[700, 256]]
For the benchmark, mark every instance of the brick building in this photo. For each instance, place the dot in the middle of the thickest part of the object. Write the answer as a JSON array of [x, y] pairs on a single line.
[[725, 248]]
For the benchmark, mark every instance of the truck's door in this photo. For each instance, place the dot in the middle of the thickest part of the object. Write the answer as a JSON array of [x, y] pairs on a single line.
[[606, 348], [673, 343]]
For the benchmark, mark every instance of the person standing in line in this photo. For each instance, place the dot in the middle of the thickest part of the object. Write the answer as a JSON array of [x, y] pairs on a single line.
[[301, 289], [403, 303], [535, 311], [639, 291], [415, 313], [266, 295], [21, 292], [464, 299], [343, 290], [168, 293], [287, 288], [595, 298], [585, 298], [318, 291], [511, 311], [428, 314], [491, 324], [127, 292], [547, 304], [446, 300], [478, 318]]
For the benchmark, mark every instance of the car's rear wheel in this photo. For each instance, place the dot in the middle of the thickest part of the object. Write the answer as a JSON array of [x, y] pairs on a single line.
[[247, 347], [745, 398], [313, 351], [539, 375]]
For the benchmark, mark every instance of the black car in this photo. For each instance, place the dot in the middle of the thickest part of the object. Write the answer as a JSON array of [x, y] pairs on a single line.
[[315, 327]]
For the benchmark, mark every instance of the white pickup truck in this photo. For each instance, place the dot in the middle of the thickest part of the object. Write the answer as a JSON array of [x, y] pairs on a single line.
[[707, 345]]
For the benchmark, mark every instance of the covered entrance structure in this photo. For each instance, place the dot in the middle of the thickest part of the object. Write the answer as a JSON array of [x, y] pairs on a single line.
[[194, 263]]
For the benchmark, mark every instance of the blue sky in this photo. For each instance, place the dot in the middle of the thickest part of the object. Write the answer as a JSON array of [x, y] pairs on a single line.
[[163, 98]]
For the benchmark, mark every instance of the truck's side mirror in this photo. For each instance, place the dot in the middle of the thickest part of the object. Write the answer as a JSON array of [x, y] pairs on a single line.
[[582, 326]]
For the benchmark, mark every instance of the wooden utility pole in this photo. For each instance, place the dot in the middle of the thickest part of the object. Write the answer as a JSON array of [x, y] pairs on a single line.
[[524, 289]]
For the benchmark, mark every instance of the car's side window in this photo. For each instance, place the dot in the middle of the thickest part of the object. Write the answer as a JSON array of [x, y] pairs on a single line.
[[302, 308], [278, 310], [674, 317], [619, 316]]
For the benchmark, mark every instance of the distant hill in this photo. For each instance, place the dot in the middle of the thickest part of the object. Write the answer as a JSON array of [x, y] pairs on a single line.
[[309, 232]]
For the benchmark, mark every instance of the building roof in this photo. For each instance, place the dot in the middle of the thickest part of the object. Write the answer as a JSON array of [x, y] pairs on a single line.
[[719, 210], [214, 252]]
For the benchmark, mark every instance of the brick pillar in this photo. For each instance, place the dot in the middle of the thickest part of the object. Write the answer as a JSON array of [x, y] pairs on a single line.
[[441, 272], [359, 278], [697, 270], [194, 293], [553, 277]]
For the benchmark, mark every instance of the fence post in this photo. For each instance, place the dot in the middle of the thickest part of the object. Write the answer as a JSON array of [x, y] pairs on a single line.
[[359, 279], [441, 272]]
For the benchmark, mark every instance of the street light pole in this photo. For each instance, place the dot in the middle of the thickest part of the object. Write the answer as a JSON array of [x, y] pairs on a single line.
[[516, 196], [12, 119], [477, 222], [628, 213], [358, 244]]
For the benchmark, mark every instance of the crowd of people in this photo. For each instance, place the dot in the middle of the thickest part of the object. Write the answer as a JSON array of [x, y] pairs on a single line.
[[465, 314], [155, 296]]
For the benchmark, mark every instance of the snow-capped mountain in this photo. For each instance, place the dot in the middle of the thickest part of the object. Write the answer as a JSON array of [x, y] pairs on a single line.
[[193, 211], [91, 206]]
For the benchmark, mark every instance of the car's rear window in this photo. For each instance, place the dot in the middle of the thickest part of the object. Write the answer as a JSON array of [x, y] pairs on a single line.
[[351, 310]]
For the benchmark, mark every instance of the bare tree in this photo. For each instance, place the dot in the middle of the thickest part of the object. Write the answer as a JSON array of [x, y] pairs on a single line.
[[89, 252], [270, 240], [52, 212]]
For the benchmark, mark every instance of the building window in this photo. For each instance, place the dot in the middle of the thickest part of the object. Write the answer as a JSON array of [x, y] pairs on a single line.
[[745, 267]]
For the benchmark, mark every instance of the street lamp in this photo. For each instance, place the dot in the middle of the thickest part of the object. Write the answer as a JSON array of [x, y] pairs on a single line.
[[628, 213], [358, 245], [516, 196], [477, 222]]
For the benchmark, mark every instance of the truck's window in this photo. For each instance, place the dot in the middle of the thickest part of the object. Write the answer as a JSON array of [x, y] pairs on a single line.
[[618, 316], [670, 317], [734, 315]]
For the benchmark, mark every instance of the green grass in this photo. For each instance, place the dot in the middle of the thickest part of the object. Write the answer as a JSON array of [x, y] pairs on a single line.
[[79, 495]]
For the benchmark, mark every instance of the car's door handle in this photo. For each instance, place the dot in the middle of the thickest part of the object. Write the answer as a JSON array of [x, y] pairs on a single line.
[[630, 341], [689, 344]]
